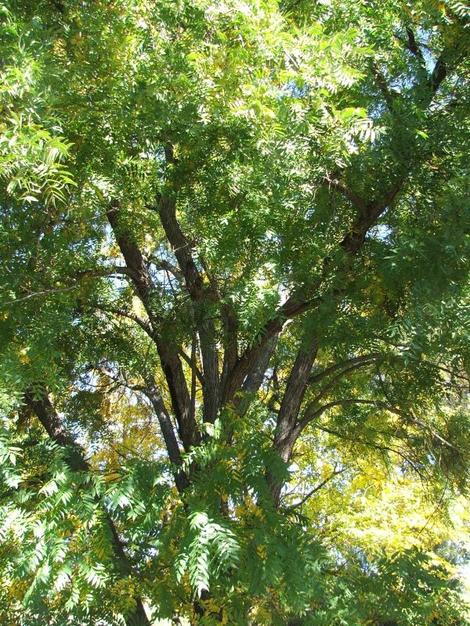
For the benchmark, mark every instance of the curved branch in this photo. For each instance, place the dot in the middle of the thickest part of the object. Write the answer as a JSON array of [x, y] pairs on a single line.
[[356, 361], [347, 371], [143, 324], [372, 444], [315, 489], [310, 414]]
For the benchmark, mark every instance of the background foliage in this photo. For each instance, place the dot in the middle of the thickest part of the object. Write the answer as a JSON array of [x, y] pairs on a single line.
[[234, 312]]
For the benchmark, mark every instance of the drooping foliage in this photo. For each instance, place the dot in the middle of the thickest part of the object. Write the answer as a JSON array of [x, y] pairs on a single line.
[[234, 312]]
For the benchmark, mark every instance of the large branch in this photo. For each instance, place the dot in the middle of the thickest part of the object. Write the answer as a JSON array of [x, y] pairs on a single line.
[[288, 428], [285, 434], [285, 446], [355, 199], [230, 327], [351, 243], [292, 399], [255, 379], [368, 216], [181, 247], [369, 212], [75, 457], [248, 361], [180, 398], [133, 257], [429, 81]]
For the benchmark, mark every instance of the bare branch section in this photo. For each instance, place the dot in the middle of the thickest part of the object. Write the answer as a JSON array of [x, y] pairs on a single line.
[[200, 294], [191, 361], [57, 431], [167, 351]]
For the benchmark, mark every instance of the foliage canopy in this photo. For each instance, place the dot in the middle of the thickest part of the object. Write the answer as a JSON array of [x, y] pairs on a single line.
[[234, 330]]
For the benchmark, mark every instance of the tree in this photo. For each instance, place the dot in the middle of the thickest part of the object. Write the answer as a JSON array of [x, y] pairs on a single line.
[[234, 305]]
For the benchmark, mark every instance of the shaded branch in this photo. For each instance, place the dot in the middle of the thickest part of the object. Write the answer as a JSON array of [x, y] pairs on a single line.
[[292, 399], [166, 266], [389, 95], [347, 192], [346, 371], [353, 241], [191, 361], [143, 324], [438, 74], [413, 47], [230, 332]]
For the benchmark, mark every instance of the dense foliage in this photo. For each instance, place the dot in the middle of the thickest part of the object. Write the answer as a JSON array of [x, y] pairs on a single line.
[[234, 312]]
